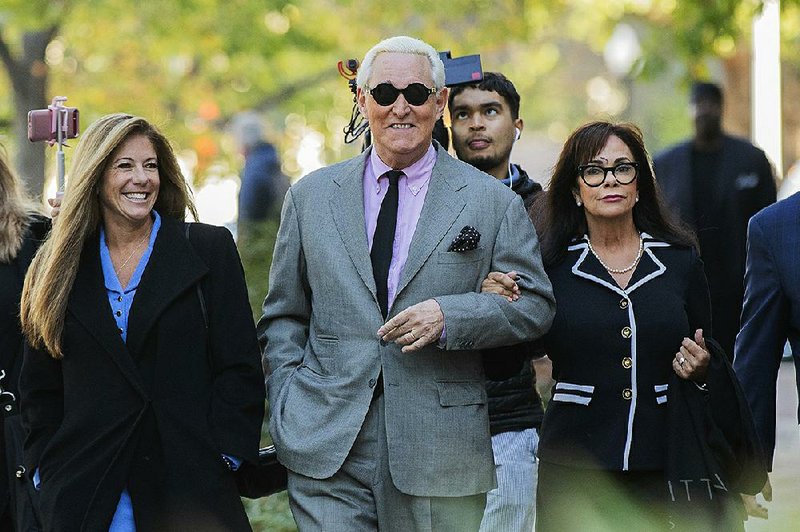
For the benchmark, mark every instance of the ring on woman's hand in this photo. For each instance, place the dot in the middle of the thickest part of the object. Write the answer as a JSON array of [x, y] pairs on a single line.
[[681, 361], [413, 336]]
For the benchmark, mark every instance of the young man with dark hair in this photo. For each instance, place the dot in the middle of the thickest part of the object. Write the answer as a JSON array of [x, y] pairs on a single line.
[[485, 124]]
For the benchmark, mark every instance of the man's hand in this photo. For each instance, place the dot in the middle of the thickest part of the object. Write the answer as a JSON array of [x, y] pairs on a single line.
[[504, 284], [753, 507], [415, 327]]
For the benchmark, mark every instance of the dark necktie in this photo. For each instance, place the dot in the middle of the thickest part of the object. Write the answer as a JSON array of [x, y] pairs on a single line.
[[383, 240]]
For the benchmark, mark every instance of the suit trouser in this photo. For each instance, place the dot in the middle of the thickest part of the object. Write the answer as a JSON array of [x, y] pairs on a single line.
[[362, 496]]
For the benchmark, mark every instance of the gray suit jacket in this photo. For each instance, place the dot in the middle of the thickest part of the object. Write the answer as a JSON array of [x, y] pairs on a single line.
[[321, 317]]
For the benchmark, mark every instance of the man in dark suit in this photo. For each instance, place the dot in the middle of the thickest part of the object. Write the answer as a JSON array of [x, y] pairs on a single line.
[[716, 182], [485, 124], [771, 313], [374, 321]]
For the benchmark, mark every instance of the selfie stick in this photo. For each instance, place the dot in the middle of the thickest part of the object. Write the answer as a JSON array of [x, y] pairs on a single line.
[[60, 127]]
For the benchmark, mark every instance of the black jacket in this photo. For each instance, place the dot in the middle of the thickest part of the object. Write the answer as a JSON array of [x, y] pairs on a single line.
[[510, 384], [152, 415], [612, 353], [15, 496], [744, 185]]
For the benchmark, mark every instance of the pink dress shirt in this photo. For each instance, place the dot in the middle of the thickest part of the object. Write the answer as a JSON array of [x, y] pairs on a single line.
[[412, 188]]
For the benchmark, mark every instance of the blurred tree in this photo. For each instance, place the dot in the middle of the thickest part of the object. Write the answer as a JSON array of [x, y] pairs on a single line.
[[32, 23], [191, 64]]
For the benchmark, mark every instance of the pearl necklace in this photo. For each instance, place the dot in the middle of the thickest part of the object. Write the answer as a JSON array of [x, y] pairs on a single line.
[[628, 268]]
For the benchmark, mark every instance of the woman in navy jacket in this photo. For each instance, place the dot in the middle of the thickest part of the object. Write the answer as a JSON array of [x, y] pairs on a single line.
[[142, 388], [632, 311]]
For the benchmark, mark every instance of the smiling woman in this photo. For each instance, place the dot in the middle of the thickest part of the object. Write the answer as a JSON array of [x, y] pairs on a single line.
[[128, 192], [125, 318]]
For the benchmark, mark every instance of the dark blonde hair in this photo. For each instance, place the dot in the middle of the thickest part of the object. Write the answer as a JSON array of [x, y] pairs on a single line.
[[16, 210], [52, 273]]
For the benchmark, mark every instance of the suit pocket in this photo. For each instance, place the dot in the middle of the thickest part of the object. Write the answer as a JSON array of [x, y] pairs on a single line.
[[579, 394], [461, 257], [461, 393], [323, 355]]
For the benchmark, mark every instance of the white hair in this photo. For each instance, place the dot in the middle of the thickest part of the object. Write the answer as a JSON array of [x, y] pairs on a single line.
[[248, 129], [402, 45]]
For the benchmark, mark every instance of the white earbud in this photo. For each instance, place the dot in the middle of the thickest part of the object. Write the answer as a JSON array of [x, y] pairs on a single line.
[[517, 133]]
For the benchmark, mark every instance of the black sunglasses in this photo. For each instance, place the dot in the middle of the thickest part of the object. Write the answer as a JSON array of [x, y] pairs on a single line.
[[386, 93]]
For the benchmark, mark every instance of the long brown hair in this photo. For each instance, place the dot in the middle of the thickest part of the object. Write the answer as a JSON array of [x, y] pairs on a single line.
[[52, 273], [562, 220], [16, 210]]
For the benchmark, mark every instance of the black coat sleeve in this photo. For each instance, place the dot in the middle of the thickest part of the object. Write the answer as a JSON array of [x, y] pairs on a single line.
[[41, 402], [237, 403]]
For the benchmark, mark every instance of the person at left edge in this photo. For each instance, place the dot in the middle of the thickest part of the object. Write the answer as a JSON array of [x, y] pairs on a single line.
[[22, 229], [141, 387], [376, 384]]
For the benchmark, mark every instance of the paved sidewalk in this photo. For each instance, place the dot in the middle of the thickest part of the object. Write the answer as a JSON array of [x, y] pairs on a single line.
[[784, 510]]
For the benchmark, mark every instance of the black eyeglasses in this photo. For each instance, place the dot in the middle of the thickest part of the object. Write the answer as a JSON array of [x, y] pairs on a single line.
[[386, 93], [594, 175]]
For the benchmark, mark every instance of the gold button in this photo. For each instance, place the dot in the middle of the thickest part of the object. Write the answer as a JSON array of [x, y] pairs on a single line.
[[627, 394], [626, 332], [627, 363], [623, 303]]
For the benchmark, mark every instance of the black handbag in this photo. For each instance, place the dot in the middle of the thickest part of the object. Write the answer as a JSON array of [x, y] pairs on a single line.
[[261, 479]]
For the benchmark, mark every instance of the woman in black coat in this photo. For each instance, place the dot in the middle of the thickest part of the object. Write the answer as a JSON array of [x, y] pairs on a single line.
[[142, 389], [22, 230], [618, 449]]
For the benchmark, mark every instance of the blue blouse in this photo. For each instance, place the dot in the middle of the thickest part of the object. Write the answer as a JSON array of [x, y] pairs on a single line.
[[120, 300]]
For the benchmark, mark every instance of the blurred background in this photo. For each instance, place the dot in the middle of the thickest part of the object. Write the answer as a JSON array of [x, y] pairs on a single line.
[[194, 66]]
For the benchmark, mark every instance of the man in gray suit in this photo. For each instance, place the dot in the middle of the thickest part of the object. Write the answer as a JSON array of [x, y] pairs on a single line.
[[374, 319]]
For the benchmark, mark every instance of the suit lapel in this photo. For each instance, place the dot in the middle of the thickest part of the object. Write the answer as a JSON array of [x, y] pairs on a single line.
[[174, 267], [88, 303], [347, 210], [726, 179], [683, 199], [439, 213]]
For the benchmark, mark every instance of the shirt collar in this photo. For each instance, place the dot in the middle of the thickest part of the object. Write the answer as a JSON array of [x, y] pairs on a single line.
[[110, 275], [417, 175]]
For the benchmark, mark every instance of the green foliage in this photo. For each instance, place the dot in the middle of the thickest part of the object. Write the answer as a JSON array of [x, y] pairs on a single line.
[[255, 241], [190, 65], [270, 514]]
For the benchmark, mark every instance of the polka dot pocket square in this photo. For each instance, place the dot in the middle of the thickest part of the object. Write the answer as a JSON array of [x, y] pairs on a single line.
[[466, 240]]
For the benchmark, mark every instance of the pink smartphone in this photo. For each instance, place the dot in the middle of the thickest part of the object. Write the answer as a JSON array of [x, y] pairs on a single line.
[[41, 125]]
